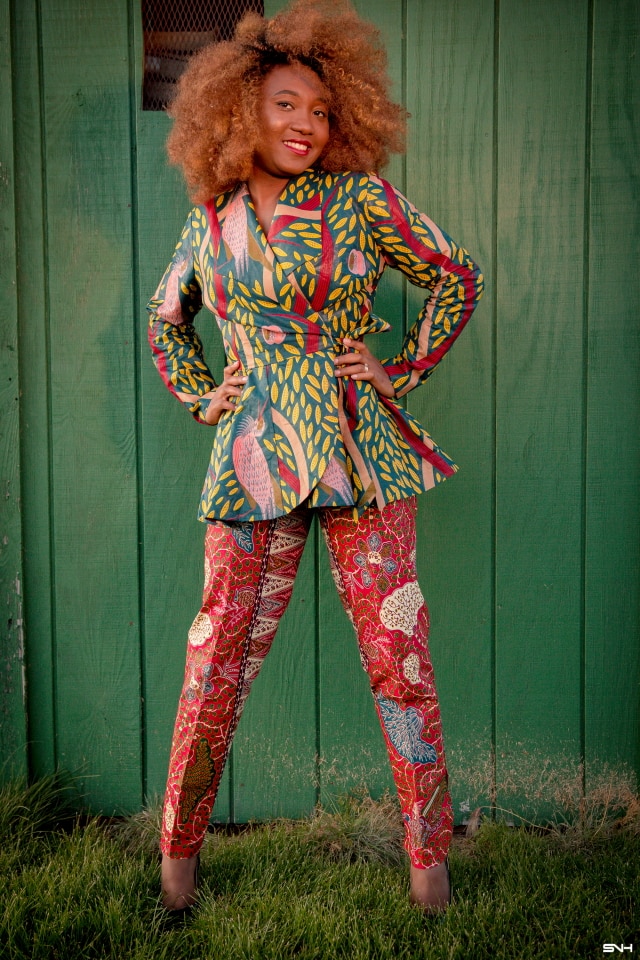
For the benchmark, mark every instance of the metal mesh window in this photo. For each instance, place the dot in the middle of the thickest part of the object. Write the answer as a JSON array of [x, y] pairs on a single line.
[[173, 30]]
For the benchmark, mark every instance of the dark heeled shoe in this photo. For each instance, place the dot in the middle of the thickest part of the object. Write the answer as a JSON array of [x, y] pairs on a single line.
[[439, 915], [446, 863], [421, 898], [176, 915], [171, 918]]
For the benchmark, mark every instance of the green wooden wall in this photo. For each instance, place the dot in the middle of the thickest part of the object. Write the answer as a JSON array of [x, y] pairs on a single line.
[[524, 145]]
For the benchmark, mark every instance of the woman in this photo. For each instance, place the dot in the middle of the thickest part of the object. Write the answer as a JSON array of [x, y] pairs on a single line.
[[275, 132]]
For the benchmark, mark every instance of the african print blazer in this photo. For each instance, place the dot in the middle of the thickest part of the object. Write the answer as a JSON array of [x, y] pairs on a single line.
[[283, 303]]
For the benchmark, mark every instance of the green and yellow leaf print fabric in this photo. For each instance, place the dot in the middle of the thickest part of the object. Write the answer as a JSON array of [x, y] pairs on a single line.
[[283, 303]]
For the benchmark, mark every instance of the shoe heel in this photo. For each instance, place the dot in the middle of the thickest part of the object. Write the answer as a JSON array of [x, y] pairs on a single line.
[[176, 915]]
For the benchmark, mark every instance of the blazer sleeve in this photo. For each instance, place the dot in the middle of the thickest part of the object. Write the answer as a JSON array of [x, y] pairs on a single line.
[[175, 345], [412, 243]]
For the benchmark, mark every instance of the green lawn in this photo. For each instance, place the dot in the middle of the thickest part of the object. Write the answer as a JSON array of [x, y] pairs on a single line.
[[331, 887]]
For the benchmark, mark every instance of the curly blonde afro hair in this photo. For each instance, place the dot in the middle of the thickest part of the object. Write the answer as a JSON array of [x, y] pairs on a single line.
[[216, 108]]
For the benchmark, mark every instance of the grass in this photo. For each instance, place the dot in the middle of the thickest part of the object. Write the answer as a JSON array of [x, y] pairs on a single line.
[[334, 886]]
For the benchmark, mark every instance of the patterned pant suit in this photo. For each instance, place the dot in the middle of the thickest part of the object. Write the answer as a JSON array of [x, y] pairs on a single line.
[[249, 574]]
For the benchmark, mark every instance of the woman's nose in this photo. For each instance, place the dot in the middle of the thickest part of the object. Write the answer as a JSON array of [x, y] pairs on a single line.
[[303, 123]]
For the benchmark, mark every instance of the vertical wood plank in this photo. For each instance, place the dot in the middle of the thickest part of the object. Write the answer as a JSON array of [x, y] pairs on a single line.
[[612, 568], [173, 456], [274, 753], [87, 159], [34, 376], [449, 176], [540, 277], [12, 690], [352, 754]]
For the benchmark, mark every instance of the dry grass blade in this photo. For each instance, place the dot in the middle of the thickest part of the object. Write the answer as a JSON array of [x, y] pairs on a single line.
[[140, 832], [473, 823], [360, 829]]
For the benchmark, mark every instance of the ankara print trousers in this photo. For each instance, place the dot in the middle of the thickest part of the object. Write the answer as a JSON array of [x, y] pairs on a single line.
[[249, 573]]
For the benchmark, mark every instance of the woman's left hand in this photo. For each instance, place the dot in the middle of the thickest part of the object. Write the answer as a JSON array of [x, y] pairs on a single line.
[[360, 364]]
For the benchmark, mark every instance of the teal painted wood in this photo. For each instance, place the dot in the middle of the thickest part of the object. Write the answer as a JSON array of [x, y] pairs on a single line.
[[87, 151], [612, 528], [35, 450], [352, 754], [541, 117], [449, 176], [273, 762], [12, 699], [274, 752], [173, 456]]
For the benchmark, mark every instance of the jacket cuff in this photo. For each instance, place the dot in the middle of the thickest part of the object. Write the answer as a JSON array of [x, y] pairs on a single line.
[[400, 377], [198, 409]]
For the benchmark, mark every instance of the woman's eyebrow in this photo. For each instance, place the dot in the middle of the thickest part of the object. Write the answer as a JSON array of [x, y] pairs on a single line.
[[294, 93]]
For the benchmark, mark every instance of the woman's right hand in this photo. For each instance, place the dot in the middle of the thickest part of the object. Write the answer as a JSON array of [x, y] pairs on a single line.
[[225, 396]]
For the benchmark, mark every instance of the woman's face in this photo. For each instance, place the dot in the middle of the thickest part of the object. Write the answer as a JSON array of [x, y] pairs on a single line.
[[294, 114]]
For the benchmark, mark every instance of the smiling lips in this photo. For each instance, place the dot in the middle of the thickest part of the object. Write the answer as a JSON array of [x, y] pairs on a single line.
[[301, 147]]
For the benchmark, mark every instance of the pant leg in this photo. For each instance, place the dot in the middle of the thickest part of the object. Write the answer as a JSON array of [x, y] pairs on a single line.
[[373, 564], [249, 573]]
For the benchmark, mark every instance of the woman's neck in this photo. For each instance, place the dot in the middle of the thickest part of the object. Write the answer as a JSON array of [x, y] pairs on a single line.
[[265, 191]]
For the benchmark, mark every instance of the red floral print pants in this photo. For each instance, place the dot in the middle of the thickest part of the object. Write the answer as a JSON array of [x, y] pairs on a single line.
[[250, 569]]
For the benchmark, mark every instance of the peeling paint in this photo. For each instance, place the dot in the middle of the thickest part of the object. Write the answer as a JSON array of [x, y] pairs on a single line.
[[17, 584], [15, 654]]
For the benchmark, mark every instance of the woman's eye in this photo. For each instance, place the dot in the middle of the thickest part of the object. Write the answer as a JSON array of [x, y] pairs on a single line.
[[284, 103], [320, 113]]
